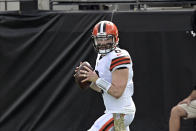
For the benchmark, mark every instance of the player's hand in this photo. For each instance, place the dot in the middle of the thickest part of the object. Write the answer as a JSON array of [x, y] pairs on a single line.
[[76, 69], [89, 74], [185, 101]]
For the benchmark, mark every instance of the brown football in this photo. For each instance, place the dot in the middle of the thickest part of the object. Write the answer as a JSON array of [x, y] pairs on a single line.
[[78, 79]]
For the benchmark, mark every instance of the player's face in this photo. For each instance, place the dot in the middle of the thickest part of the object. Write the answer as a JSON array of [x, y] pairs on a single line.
[[104, 43]]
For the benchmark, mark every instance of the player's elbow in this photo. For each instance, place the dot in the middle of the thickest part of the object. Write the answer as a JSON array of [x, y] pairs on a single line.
[[117, 92], [117, 95]]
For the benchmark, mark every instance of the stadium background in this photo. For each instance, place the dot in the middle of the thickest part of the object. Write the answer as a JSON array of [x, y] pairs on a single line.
[[40, 49]]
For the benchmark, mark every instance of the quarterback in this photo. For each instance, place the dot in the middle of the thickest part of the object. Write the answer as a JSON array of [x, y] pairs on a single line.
[[113, 78]]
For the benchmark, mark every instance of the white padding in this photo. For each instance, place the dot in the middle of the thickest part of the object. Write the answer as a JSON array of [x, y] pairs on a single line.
[[103, 84]]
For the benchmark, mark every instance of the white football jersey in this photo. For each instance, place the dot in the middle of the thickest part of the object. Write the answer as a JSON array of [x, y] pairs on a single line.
[[116, 59]]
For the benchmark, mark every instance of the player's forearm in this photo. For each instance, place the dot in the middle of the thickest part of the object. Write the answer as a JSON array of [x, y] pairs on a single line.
[[113, 91], [116, 91]]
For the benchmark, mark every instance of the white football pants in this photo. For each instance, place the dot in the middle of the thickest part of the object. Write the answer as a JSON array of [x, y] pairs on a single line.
[[106, 122]]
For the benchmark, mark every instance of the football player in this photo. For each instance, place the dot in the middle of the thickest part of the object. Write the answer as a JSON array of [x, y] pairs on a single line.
[[113, 78]]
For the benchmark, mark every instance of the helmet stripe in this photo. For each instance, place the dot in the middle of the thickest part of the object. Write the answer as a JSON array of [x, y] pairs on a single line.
[[102, 27]]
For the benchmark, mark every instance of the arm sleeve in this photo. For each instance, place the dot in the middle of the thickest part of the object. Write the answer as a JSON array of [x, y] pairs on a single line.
[[120, 62]]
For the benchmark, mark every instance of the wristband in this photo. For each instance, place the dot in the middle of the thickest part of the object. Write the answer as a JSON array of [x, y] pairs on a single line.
[[103, 84]]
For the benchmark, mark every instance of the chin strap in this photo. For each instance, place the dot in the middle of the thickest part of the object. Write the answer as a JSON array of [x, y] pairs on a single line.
[[104, 51]]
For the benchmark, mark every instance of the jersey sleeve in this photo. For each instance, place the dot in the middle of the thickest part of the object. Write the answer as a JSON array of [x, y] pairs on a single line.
[[120, 61]]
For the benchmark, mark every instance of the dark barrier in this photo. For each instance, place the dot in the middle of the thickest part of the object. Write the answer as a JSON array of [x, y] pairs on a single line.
[[39, 52]]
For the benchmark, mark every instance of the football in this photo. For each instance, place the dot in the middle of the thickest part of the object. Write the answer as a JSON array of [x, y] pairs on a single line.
[[78, 79]]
